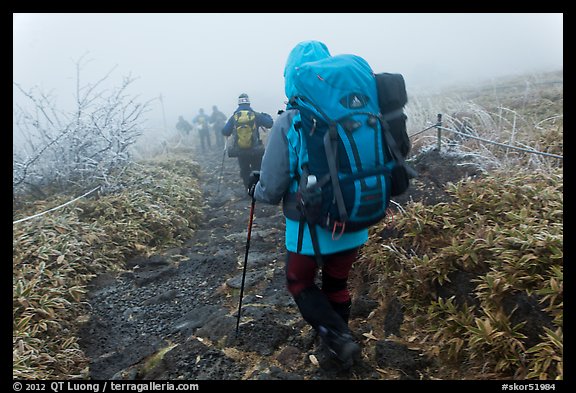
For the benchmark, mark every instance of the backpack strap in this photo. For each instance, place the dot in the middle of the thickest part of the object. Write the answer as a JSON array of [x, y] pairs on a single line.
[[393, 114], [315, 244], [331, 147], [395, 150], [303, 220], [313, 238], [255, 129]]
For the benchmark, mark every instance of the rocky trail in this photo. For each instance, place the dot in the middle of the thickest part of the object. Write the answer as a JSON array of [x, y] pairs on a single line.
[[173, 316]]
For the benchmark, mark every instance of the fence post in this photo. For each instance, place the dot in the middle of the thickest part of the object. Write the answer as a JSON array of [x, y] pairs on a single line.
[[438, 125]]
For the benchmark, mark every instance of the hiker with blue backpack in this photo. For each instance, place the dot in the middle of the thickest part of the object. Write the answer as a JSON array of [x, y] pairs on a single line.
[[244, 126], [329, 161]]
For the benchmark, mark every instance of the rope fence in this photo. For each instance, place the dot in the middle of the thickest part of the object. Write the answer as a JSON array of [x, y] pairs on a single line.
[[439, 129], [57, 207]]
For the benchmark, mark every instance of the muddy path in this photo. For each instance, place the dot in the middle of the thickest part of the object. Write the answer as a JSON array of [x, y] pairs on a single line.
[[173, 315]]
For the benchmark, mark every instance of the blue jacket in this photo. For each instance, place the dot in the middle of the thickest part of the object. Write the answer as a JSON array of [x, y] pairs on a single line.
[[283, 159], [262, 120]]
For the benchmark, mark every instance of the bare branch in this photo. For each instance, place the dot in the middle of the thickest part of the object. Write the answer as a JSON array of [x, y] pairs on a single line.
[[80, 147]]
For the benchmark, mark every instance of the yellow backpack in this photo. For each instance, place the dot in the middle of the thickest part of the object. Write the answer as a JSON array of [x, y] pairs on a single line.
[[245, 128]]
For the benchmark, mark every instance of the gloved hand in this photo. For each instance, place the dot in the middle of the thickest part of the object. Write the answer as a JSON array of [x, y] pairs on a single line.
[[252, 180]]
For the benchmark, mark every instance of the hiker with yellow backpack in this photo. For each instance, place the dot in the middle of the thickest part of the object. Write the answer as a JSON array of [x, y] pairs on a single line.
[[246, 144]]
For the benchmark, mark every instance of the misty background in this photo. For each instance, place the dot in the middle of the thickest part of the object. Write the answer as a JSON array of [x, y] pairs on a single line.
[[198, 60]]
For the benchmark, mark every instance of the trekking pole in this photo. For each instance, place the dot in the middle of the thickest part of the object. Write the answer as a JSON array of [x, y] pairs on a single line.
[[245, 262], [222, 169]]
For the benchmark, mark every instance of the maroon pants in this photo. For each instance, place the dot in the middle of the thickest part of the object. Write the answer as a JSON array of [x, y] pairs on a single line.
[[301, 271]]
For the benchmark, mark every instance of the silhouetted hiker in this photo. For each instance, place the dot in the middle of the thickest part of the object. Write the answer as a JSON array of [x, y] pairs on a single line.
[[202, 120], [218, 120], [183, 126]]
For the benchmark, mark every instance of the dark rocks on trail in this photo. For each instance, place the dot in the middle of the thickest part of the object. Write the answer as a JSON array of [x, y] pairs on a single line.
[[390, 354], [251, 278], [196, 318], [394, 317], [435, 170]]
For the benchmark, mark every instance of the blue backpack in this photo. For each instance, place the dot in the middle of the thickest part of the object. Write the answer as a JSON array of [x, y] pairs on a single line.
[[346, 184]]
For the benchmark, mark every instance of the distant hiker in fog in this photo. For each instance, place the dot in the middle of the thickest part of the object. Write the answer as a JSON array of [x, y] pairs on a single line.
[[246, 144], [201, 121], [183, 126], [218, 120]]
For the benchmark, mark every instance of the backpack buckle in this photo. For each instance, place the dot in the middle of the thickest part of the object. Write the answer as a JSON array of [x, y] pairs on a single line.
[[313, 126], [342, 225]]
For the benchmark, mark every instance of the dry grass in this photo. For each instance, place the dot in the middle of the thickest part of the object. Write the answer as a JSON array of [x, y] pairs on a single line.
[[506, 230], [54, 257]]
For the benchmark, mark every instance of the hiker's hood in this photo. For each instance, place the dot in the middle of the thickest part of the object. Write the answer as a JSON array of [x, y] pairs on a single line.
[[304, 52]]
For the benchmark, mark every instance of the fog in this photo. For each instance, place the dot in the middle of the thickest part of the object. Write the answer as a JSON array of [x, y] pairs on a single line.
[[198, 60]]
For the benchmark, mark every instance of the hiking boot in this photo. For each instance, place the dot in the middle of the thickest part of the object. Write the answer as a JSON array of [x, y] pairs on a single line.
[[340, 345], [342, 309], [331, 326]]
